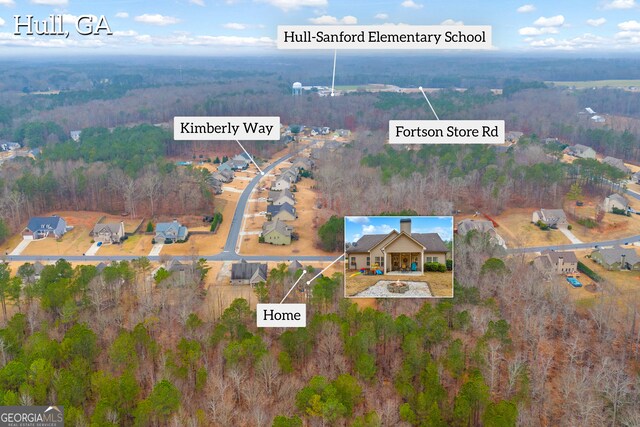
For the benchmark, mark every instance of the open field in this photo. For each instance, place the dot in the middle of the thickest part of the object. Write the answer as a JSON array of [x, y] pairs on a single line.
[[197, 244], [440, 284], [598, 83], [516, 229], [309, 218]]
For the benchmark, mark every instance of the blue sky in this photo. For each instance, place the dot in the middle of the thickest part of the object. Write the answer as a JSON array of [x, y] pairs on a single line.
[[218, 27], [357, 226]]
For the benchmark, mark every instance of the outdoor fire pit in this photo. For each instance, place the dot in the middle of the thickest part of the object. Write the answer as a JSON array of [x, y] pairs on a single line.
[[398, 287]]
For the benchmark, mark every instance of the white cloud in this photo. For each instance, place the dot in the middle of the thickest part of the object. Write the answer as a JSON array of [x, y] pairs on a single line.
[[1, 22], [411, 4], [235, 26], [553, 21], [197, 2], [451, 22], [7, 2], [358, 219], [629, 26], [156, 19], [381, 16], [533, 31], [585, 41], [596, 22], [377, 229], [621, 4], [51, 2], [332, 20], [126, 33], [526, 8], [122, 15], [288, 5]]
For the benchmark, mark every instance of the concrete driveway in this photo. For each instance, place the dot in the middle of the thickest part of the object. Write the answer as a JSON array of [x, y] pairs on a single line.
[[21, 247]]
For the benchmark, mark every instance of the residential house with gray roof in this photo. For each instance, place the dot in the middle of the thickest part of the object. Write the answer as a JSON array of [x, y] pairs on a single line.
[[617, 258]]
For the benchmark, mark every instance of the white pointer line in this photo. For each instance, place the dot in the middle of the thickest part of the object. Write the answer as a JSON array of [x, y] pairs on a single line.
[[250, 157], [294, 285], [333, 79], [325, 269], [431, 106]]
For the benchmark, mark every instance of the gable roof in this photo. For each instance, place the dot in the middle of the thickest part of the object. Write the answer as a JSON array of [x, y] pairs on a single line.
[[616, 163], [244, 270], [171, 230], [619, 198], [614, 255], [275, 195], [567, 256], [431, 241], [276, 226], [110, 227], [552, 216], [294, 266], [480, 225], [274, 210], [44, 223], [579, 149]]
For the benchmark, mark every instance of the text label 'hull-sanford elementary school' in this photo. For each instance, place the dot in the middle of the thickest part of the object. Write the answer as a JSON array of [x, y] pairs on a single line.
[[226, 128], [384, 37]]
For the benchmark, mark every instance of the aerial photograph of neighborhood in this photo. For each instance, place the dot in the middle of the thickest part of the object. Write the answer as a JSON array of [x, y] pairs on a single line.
[[306, 213]]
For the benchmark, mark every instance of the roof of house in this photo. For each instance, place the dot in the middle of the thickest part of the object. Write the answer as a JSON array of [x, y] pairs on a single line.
[[619, 198], [579, 148], [481, 225], [38, 267], [295, 266], [275, 195], [112, 227], [244, 270], [567, 256], [543, 262], [431, 241], [277, 226], [101, 266], [44, 223], [243, 156], [175, 265], [616, 163], [171, 229], [613, 255], [552, 216], [275, 209]]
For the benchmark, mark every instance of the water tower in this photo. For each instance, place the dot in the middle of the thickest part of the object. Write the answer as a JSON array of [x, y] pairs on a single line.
[[296, 89]]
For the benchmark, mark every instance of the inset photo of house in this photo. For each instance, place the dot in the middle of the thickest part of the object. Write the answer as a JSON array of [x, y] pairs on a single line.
[[398, 256]]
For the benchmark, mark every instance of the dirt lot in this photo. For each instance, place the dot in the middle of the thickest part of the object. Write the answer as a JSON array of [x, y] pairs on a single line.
[[309, 218], [441, 284], [516, 229]]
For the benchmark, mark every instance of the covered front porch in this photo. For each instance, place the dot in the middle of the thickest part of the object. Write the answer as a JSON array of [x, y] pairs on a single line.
[[404, 263]]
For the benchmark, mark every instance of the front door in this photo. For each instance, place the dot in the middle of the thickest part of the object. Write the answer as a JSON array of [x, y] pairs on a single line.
[[395, 262]]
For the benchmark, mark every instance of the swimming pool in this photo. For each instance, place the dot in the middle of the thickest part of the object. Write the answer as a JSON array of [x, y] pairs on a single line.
[[574, 282]]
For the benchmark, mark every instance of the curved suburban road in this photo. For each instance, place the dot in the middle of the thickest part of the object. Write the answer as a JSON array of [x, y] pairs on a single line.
[[229, 252]]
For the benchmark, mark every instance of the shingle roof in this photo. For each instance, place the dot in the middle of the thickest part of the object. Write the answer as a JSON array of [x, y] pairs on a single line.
[[481, 225], [554, 256], [275, 195], [273, 210], [294, 266], [614, 255], [244, 270], [113, 227], [616, 163], [44, 223], [171, 230], [276, 225], [619, 198], [431, 241]]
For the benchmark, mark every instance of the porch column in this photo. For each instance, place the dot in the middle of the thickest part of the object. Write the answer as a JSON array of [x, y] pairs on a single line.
[[422, 261]]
